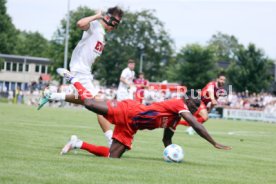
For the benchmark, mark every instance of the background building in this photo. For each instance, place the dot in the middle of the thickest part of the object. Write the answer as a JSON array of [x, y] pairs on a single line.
[[22, 71]]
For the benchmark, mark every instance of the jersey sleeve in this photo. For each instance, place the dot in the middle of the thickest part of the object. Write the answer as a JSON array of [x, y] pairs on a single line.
[[211, 87], [124, 73], [91, 28], [179, 106]]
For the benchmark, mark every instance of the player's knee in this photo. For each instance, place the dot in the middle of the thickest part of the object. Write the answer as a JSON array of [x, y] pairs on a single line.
[[114, 155]]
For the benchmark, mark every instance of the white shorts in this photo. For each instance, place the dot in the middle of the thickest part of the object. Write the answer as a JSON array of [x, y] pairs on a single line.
[[87, 81], [124, 95]]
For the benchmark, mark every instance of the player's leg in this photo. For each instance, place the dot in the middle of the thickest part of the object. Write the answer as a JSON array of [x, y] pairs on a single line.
[[105, 126], [48, 95], [83, 79], [86, 81], [75, 143], [117, 149], [97, 106], [72, 98], [87, 91]]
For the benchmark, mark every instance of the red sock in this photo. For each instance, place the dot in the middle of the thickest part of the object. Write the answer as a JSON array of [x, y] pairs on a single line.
[[200, 119], [96, 150], [83, 92], [182, 122]]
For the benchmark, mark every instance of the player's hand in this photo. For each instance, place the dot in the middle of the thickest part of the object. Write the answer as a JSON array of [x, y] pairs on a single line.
[[99, 14], [132, 88], [220, 146]]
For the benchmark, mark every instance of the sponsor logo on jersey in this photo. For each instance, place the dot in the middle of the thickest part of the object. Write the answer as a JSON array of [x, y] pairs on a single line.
[[99, 47]]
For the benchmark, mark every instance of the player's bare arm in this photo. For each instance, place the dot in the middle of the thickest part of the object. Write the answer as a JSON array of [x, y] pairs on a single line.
[[122, 79], [84, 23], [200, 129], [212, 96], [213, 99], [167, 136]]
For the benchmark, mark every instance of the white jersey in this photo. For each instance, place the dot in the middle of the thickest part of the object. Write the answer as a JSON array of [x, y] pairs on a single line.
[[128, 75], [88, 49]]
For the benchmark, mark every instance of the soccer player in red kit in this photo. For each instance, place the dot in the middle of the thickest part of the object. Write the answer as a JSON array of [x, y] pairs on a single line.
[[213, 90], [129, 116], [209, 95], [141, 84]]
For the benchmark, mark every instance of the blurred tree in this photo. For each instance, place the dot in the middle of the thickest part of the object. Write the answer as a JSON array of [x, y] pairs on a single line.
[[194, 66], [250, 71], [225, 46], [7, 30], [31, 44], [138, 32], [2, 62]]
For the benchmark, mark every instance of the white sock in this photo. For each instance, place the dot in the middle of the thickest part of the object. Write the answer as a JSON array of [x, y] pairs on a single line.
[[79, 143], [189, 129], [108, 134], [74, 80], [58, 96]]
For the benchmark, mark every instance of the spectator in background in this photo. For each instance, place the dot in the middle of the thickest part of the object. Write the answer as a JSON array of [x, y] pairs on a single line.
[[20, 96], [126, 86], [10, 96], [141, 84]]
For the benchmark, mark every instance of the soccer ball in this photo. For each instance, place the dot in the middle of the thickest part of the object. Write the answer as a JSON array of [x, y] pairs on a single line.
[[173, 153]]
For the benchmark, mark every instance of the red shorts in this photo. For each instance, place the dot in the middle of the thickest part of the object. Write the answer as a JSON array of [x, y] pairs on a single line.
[[120, 114], [205, 100]]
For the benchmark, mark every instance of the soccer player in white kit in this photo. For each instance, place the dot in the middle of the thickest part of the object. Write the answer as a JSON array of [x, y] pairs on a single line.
[[126, 87], [89, 48]]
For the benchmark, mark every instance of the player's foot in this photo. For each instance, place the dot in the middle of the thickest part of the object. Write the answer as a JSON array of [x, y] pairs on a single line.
[[190, 131], [44, 99], [63, 72], [71, 144]]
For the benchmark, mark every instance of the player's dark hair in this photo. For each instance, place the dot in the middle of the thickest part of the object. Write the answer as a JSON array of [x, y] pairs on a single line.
[[131, 61], [192, 101], [116, 11], [221, 74]]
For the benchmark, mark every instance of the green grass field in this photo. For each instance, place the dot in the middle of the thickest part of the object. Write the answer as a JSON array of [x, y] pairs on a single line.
[[31, 141]]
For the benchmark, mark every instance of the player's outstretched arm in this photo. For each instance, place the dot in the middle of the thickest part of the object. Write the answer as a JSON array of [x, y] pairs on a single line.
[[167, 136], [200, 129], [84, 23]]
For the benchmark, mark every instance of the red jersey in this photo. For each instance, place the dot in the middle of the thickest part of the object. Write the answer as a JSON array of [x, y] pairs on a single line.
[[128, 116], [140, 82], [205, 94], [139, 94], [158, 115]]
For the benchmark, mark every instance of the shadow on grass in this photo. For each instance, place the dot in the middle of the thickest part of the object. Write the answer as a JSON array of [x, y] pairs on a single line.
[[83, 154]]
